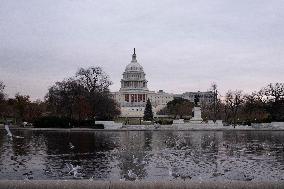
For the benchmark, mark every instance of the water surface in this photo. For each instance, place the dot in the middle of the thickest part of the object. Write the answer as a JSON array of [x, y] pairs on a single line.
[[143, 155]]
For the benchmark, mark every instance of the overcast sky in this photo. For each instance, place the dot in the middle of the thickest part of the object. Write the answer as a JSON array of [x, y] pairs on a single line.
[[183, 45]]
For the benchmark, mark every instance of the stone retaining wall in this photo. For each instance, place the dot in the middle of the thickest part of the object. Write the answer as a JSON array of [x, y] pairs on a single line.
[[86, 184]]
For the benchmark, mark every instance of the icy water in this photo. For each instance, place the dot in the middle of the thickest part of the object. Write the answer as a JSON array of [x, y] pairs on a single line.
[[143, 155]]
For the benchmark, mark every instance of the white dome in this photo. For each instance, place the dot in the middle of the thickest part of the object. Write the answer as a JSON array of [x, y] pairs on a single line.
[[133, 77], [133, 67]]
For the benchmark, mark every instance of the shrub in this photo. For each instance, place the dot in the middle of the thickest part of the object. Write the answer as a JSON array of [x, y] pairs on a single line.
[[165, 121], [63, 122], [98, 126], [52, 122]]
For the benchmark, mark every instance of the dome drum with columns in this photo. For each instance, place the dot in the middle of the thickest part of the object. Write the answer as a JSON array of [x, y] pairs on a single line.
[[134, 92], [134, 77]]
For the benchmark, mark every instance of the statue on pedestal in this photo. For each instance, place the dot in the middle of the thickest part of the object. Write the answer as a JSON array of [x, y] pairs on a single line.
[[196, 100], [196, 111]]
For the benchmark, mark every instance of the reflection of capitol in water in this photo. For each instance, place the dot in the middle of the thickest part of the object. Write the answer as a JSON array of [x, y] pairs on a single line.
[[132, 155], [193, 139], [155, 153]]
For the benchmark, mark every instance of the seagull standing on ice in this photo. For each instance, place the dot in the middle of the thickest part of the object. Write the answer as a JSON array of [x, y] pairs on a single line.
[[10, 135], [74, 170], [8, 130], [170, 172], [132, 175], [71, 146]]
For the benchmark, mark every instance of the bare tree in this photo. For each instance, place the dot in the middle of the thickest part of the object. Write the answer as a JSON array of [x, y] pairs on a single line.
[[34, 110], [179, 107], [21, 105], [254, 108], [2, 94], [274, 94], [94, 79], [84, 96], [274, 91], [63, 96], [2, 99], [215, 94], [233, 102]]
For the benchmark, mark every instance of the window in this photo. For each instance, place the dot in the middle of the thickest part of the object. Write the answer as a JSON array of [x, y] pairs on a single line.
[[127, 97]]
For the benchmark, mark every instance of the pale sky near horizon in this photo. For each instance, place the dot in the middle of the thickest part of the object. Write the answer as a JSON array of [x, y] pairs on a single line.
[[183, 45]]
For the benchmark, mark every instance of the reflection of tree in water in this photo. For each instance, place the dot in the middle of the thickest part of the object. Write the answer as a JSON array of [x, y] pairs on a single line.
[[170, 140], [2, 136], [258, 143], [250, 154], [90, 152], [148, 141], [210, 145], [133, 156], [2, 149], [187, 154], [22, 146], [19, 155]]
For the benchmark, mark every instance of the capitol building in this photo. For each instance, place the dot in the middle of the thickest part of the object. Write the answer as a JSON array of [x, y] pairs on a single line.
[[134, 92]]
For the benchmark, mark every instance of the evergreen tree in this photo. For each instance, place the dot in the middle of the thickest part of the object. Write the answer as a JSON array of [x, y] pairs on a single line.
[[148, 113]]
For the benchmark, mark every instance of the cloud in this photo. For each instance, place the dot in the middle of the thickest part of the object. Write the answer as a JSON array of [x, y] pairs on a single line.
[[183, 45]]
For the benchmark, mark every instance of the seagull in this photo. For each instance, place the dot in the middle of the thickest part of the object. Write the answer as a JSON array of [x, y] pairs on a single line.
[[10, 134], [8, 130], [74, 170], [143, 162], [71, 146], [131, 175], [17, 136], [171, 174], [135, 160]]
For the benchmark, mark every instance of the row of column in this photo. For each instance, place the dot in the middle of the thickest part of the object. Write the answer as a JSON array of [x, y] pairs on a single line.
[[135, 97], [134, 84]]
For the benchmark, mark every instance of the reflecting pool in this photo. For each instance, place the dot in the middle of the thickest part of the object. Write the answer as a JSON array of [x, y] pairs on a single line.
[[143, 155]]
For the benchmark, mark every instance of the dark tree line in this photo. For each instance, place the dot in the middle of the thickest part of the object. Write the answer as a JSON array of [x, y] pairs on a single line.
[[21, 108], [236, 107], [85, 96]]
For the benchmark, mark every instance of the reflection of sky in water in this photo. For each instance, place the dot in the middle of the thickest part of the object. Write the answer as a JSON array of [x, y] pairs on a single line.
[[156, 155]]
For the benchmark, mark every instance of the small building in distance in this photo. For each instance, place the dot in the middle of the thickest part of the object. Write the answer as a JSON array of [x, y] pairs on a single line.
[[204, 97], [134, 92]]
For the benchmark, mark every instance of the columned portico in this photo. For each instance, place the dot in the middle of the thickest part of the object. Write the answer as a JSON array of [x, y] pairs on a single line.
[[135, 97]]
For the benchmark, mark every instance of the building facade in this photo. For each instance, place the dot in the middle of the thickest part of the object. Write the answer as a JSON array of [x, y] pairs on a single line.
[[134, 92]]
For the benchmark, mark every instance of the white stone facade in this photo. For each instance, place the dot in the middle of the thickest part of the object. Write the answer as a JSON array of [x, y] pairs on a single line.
[[134, 92]]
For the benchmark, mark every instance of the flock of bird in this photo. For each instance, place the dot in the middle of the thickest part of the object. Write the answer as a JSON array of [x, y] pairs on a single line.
[[72, 170], [75, 170]]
